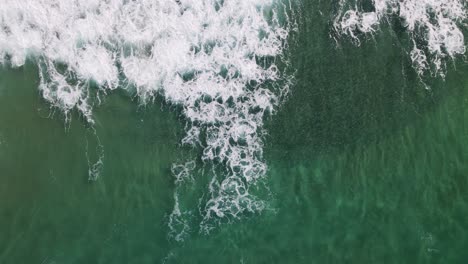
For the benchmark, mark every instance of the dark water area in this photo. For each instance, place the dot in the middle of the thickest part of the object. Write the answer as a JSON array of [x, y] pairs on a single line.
[[366, 165]]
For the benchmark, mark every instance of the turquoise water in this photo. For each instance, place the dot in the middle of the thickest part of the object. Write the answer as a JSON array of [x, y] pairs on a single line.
[[366, 165]]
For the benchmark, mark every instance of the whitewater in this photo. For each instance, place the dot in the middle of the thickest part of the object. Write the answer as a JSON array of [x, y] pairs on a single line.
[[215, 59], [434, 27]]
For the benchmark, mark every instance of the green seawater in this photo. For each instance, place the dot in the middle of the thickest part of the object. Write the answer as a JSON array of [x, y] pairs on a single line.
[[366, 165]]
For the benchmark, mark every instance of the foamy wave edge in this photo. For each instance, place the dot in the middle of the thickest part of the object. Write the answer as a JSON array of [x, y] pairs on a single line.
[[216, 59], [435, 28]]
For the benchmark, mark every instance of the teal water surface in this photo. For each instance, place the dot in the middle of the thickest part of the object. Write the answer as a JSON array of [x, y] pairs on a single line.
[[366, 165]]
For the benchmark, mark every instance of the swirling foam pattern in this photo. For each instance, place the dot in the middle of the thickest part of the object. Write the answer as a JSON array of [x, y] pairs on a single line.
[[213, 58], [435, 27]]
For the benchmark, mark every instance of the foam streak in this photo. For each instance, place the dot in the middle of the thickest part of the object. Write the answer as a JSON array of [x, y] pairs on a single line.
[[434, 23], [203, 55]]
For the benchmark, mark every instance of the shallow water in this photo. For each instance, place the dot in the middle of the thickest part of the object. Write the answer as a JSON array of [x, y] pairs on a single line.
[[365, 165]]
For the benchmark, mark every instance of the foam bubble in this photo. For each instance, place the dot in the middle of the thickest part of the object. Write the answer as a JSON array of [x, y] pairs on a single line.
[[211, 57], [433, 23]]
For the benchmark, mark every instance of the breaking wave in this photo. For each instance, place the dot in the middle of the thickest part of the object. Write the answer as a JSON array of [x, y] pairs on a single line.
[[434, 26], [217, 60]]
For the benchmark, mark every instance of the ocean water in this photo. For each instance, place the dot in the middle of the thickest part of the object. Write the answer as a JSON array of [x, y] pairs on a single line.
[[233, 132]]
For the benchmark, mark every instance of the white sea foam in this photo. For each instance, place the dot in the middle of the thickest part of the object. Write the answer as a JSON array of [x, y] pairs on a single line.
[[213, 58], [435, 27]]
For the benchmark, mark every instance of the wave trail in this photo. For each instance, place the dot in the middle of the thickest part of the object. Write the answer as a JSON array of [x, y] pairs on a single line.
[[434, 26], [216, 59]]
